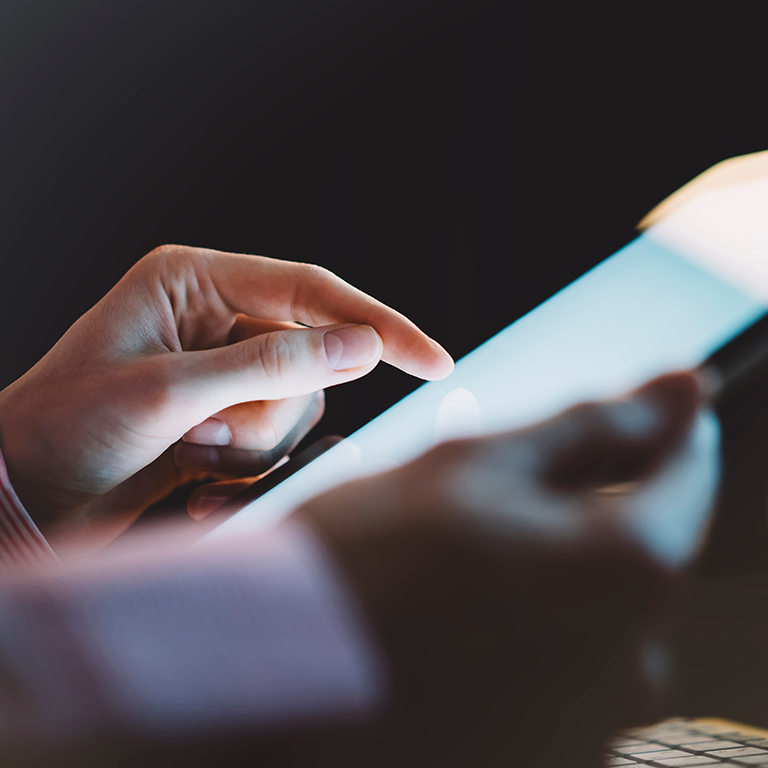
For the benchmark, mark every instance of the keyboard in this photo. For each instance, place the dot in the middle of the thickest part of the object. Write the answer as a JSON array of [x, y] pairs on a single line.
[[685, 743]]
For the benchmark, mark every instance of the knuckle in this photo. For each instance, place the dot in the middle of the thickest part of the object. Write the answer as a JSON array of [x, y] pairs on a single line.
[[268, 433], [587, 420], [312, 281], [256, 427], [163, 252], [587, 413], [166, 258], [173, 255], [432, 477], [271, 355], [447, 457], [314, 272]]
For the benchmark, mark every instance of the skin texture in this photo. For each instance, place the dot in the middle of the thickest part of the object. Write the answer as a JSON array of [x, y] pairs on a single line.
[[93, 433]]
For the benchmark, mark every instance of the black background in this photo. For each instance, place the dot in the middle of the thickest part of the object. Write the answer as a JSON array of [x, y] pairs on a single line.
[[462, 169]]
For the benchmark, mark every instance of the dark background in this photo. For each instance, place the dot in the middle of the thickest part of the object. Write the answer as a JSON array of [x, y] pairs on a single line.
[[461, 166], [461, 161]]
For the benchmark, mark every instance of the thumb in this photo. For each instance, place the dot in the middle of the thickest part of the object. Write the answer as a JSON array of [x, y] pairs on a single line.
[[212, 496], [272, 366], [623, 440]]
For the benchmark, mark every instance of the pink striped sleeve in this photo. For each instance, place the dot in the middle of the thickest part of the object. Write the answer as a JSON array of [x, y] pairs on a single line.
[[21, 543]]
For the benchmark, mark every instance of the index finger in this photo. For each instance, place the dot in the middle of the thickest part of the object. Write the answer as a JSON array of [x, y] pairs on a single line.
[[272, 289]]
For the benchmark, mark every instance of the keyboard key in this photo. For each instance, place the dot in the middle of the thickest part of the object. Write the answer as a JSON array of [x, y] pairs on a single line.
[[664, 755], [637, 749], [683, 743], [734, 754], [710, 744], [677, 735], [720, 731]]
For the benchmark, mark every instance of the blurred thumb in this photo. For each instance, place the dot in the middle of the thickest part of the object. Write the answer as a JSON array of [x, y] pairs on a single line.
[[621, 440], [271, 366]]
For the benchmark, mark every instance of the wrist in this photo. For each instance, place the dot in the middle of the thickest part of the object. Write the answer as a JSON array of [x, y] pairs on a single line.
[[21, 542], [17, 439], [410, 578], [399, 566]]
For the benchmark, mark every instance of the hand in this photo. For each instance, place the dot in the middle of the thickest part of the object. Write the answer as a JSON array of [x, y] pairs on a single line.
[[509, 598], [192, 364]]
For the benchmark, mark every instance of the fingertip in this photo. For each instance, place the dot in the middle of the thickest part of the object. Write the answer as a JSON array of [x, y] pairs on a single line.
[[212, 497], [681, 381], [679, 393], [212, 431], [685, 383], [443, 364], [623, 440], [200, 505], [431, 364]]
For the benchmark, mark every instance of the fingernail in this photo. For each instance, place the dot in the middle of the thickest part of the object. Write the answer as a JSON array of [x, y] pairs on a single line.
[[205, 505], [351, 347], [447, 363], [710, 380], [210, 432], [637, 418]]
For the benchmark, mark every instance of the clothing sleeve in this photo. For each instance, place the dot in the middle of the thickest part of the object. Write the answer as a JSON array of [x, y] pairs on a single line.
[[249, 638], [21, 543]]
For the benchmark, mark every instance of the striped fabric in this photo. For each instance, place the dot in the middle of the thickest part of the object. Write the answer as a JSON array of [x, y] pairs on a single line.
[[239, 640], [21, 543]]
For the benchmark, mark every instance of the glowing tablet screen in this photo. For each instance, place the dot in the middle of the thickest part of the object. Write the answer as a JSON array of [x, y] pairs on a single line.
[[643, 311]]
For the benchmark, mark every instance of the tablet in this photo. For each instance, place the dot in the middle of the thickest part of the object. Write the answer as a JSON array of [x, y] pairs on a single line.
[[666, 301]]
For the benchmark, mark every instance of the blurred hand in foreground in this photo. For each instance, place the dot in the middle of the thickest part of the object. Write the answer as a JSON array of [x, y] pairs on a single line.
[[501, 613], [513, 603], [192, 365]]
